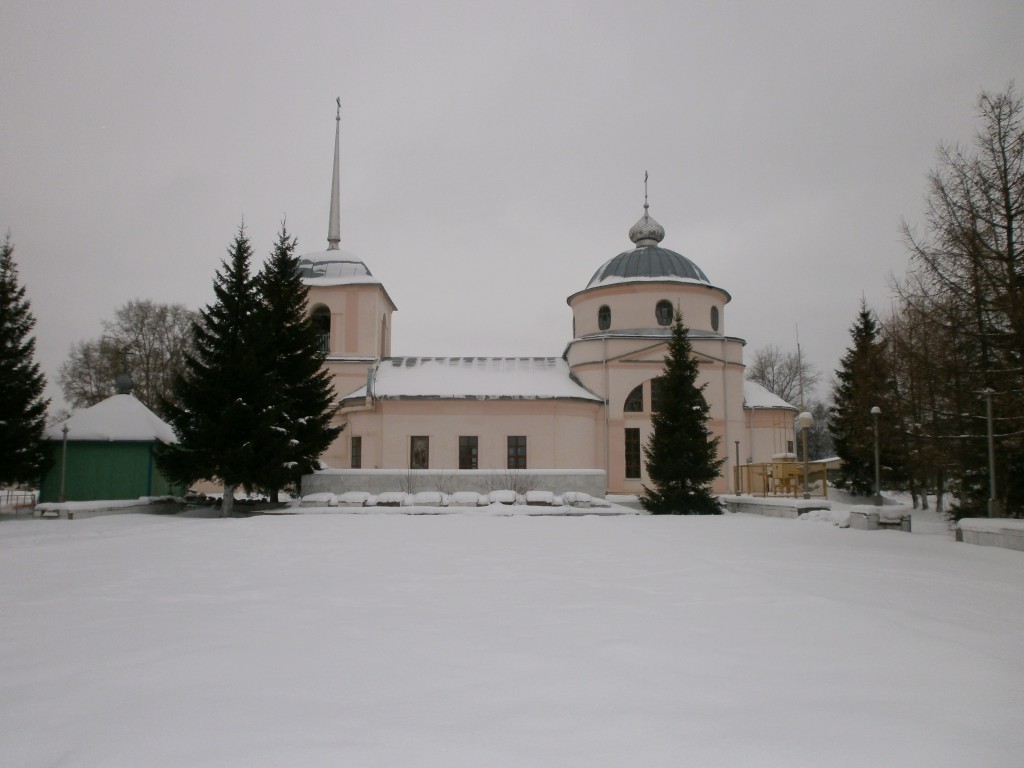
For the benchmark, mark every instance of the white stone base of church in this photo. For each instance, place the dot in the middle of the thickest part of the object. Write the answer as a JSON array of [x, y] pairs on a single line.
[[377, 481]]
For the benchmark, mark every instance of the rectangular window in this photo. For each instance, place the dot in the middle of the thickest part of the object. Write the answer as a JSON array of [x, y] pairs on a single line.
[[633, 453], [419, 452], [517, 452], [468, 452], [357, 452]]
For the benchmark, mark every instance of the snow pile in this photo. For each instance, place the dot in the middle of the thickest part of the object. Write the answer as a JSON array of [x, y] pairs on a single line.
[[325, 499], [467, 499], [540, 498], [892, 514], [502, 497], [577, 499], [840, 517]]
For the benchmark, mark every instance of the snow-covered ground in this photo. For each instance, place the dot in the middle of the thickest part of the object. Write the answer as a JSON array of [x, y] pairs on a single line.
[[469, 640]]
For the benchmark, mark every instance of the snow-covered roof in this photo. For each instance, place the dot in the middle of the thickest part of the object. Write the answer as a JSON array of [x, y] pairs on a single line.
[[756, 396], [118, 418], [482, 378], [347, 280], [334, 267]]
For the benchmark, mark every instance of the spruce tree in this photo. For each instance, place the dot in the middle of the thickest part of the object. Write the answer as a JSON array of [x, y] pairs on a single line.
[[296, 428], [22, 405], [863, 381], [681, 453], [219, 408]]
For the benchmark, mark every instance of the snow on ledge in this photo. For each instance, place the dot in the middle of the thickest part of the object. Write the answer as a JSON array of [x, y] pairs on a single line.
[[991, 524], [91, 506], [777, 501]]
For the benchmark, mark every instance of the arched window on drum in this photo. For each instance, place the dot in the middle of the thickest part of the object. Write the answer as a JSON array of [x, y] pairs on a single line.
[[321, 317], [663, 312]]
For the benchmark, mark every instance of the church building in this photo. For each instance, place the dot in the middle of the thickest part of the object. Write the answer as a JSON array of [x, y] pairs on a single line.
[[589, 409]]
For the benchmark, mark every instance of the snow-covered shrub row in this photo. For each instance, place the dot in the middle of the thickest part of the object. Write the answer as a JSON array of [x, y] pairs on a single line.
[[466, 499]]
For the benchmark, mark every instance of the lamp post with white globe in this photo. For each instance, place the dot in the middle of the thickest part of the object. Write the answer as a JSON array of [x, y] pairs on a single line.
[[805, 420]]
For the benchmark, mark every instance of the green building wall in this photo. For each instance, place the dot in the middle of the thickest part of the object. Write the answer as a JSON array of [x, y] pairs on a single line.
[[104, 470]]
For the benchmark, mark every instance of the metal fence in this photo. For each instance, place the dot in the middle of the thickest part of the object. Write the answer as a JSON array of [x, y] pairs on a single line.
[[781, 478]]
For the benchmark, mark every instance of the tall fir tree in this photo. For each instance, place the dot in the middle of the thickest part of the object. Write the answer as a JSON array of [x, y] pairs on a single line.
[[863, 381], [297, 426], [22, 405], [681, 452], [219, 410]]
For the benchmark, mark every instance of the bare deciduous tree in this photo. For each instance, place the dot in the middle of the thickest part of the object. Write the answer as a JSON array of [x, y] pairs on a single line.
[[780, 373], [145, 340], [963, 301]]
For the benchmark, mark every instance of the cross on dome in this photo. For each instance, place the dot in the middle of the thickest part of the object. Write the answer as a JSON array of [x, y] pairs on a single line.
[[646, 231]]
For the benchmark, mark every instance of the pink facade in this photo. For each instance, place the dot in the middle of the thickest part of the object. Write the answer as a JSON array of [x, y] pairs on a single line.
[[589, 409]]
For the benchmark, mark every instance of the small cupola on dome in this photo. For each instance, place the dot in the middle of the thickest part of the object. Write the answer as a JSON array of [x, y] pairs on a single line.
[[646, 231]]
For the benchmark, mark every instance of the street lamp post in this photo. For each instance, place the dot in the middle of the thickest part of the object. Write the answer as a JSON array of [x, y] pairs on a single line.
[[805, 420], [739, 478], [992, 503], [63, 462], [875, 412]]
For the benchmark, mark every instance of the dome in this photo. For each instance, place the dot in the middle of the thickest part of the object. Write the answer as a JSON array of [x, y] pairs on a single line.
[[651, 262], [332, 263], [648, 261]]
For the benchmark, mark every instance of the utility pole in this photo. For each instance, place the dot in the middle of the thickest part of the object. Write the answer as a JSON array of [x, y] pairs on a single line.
[[993, 504]]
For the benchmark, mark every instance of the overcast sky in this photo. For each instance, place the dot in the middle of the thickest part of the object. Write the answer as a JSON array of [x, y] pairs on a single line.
[[492, 153]]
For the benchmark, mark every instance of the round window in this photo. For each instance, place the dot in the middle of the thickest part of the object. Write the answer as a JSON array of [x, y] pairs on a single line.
[[604, 318]]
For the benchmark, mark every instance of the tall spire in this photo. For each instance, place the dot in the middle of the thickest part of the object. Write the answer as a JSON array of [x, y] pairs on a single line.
[[334, 225]]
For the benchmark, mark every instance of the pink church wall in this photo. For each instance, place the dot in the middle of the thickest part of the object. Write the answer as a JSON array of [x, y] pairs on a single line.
[[357, 311], [633, 305], [561, 434]]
